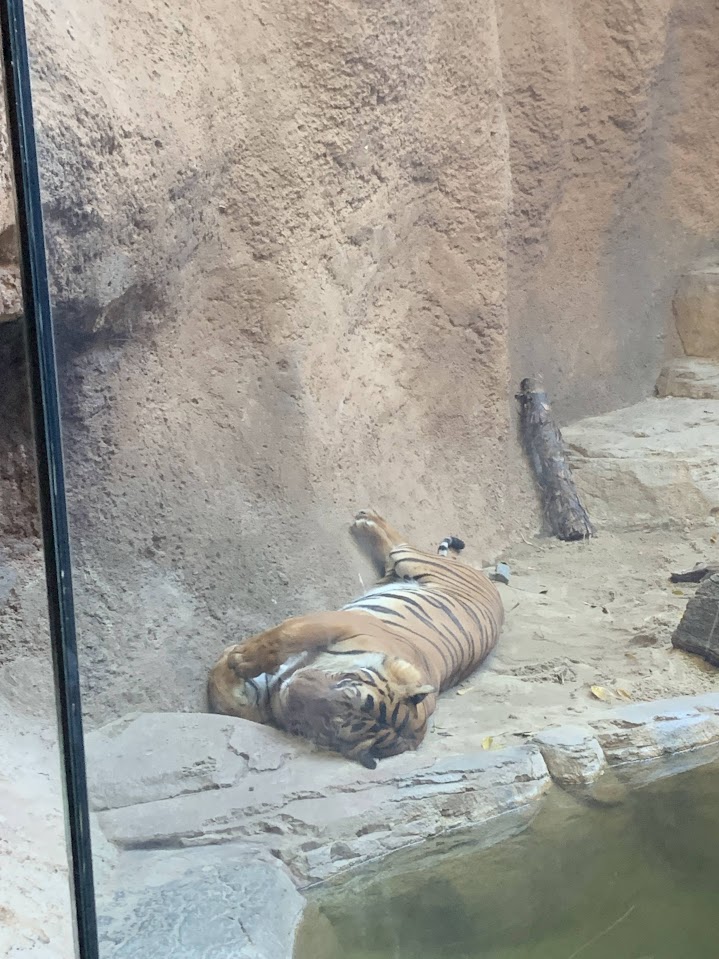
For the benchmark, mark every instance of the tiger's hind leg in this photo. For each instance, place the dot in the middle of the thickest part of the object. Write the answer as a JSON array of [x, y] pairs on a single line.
[[376, 538], [408, 563]]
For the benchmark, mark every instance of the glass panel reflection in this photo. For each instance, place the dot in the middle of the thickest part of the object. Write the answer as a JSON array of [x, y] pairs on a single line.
[[35, 917]]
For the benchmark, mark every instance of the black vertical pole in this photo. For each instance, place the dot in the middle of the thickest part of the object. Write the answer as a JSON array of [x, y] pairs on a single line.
[[48, 448]]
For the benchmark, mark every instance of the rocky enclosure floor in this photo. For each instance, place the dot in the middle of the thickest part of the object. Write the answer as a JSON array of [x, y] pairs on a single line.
[[581, 615]]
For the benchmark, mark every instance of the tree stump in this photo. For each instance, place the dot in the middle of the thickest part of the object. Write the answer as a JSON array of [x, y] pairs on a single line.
[[698, 631], [563, 510]]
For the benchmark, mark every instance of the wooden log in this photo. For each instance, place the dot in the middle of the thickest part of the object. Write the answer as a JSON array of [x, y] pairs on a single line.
[[563, 511], [695, 575], [698, 631]]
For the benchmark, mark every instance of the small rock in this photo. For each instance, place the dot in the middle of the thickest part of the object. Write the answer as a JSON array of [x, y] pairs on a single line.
[[697, 632], [572, 754], [501, 573]]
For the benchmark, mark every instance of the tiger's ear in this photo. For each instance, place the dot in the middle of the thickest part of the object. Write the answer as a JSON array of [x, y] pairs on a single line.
[[415, 694]]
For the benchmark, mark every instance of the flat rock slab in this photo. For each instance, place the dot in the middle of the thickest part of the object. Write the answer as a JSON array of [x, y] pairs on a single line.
[[651, 465], [321, 815], [645, 731], [220, 890], [316, 812], [150, 756], [227, 903], [690, 377], [698, 631]]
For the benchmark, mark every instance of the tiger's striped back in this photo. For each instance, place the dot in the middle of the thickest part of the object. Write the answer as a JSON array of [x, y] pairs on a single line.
[[446, 618]]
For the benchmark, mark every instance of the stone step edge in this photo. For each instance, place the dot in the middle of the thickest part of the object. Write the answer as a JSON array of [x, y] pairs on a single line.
[[629, 734], [630, 737], [572, 756]]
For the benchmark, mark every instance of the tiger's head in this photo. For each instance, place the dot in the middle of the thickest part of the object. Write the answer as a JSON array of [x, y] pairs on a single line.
[[365, 713]]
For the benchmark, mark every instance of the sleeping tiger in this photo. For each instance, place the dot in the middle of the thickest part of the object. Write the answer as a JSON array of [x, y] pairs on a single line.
[[363, 681]]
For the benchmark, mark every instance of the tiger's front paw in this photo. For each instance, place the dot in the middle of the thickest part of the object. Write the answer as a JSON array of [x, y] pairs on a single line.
[[249, 659]]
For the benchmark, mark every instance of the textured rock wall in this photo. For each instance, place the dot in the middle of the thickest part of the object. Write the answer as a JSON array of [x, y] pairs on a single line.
[[10, 302], [18, 518], [279, 272], [611, 133], [17, 499], [301, 254]]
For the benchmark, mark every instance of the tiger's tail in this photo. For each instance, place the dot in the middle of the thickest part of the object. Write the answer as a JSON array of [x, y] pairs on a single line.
[[453, 543]]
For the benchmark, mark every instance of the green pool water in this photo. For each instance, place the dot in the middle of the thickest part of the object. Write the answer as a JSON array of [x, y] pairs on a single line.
[[637, 880]]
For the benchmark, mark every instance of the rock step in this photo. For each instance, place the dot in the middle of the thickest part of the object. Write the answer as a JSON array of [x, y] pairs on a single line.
[[654, 464], [696, 311], [690, 377]]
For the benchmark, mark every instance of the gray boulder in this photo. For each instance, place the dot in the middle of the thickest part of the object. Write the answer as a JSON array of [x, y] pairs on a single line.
[[226, 903], [698, 631]]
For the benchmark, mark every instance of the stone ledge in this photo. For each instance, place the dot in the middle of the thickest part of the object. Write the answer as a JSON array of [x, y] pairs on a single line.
[[636, 733], [321, 815], [646, 731], [648, 466], [690, 377], [292, 817]]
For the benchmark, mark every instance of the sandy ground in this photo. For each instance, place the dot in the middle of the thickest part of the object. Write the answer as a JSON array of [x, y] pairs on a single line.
[[578, 615], [34, 893]]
